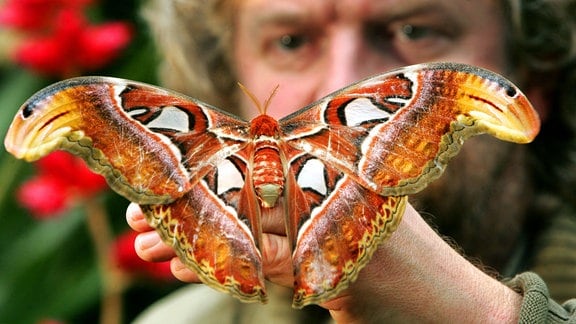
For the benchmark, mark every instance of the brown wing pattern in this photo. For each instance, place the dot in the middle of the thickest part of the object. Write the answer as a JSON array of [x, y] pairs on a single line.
[[396, 132], [338, 225], [94, 118], [211, 239]]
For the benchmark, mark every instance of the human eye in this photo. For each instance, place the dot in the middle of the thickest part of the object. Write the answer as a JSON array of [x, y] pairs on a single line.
[[290, 50], [415, 33], [291, 42], [412, 41]]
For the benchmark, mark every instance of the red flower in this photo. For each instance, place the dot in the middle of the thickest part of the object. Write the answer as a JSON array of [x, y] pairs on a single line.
[[59, 39], [61, 180], [35, 15], [128, 261], [101, 44], [74, 46], [43, 196], [72, 172]]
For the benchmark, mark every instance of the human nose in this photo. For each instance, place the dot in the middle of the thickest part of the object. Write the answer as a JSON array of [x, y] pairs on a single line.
[[348, 59]]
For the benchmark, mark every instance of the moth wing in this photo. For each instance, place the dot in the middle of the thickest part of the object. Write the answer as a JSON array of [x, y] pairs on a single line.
[[138, 136], [395, 133], [337, 225]]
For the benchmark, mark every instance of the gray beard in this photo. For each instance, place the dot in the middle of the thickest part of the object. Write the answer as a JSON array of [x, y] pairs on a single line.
[[482, 200]]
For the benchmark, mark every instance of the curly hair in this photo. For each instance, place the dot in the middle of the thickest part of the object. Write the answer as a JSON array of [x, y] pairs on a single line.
[[542, 41], [194, 39]]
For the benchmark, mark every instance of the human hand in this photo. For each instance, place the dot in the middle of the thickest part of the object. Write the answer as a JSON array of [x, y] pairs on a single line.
[[277, 262], [413, 276]]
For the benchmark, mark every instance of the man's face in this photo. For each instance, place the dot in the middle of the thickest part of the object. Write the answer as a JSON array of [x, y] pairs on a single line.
[[311, 48]]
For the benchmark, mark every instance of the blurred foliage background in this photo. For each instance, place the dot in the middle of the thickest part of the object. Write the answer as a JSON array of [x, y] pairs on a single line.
[[61, 267]]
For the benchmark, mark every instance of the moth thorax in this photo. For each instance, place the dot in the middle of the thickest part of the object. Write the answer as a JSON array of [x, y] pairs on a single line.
[[267, 173]]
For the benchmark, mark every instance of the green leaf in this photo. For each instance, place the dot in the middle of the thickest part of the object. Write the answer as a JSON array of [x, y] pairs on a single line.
[[17, 86], [49, 271]]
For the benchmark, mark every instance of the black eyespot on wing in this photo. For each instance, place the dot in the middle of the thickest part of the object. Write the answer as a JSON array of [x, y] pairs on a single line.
[[27, 110], [511, 91]]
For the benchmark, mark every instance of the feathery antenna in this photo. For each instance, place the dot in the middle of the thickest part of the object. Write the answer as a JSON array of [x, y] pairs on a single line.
[[261, 109]]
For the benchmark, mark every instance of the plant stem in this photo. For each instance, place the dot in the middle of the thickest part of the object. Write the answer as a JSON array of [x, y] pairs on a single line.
[[113, 281], [9, 171]]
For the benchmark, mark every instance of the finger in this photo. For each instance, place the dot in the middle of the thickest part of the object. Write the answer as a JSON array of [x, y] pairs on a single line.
[[149, 247], [181, 272], [277, 263], [136, 219]]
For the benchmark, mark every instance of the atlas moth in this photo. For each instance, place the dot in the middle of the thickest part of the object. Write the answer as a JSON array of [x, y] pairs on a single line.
[[339, 170]]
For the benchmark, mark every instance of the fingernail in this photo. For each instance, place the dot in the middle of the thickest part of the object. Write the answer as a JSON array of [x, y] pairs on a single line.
[[134, 212], [177, 265], [147, 240]]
